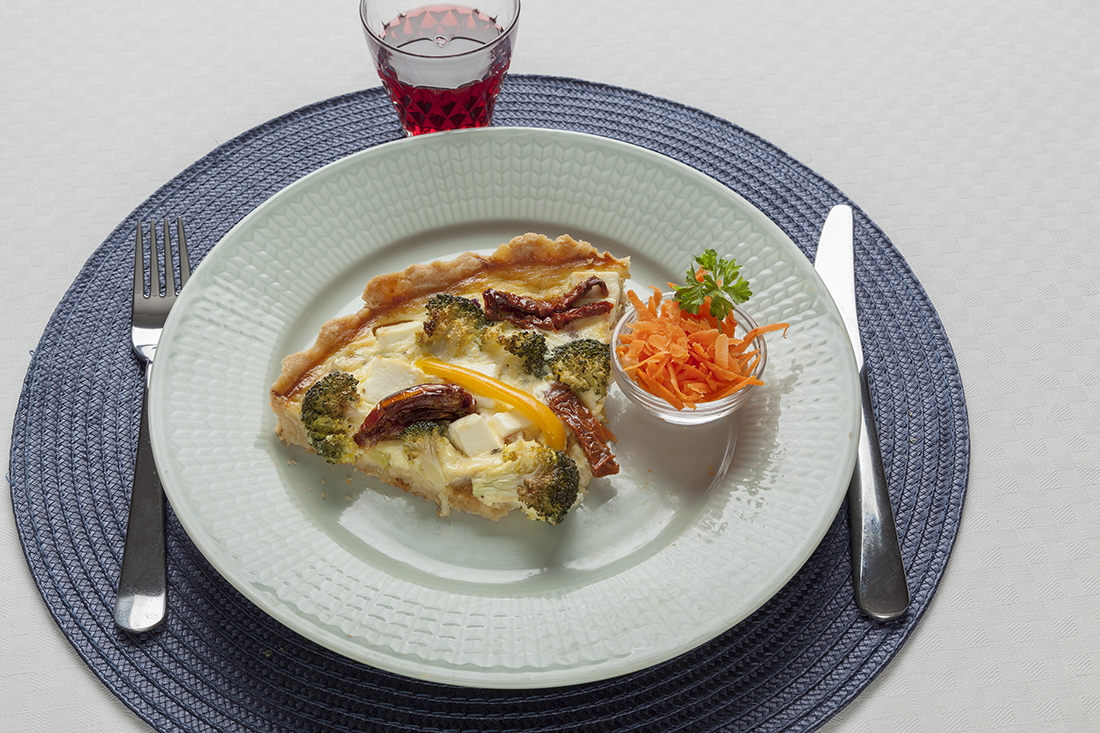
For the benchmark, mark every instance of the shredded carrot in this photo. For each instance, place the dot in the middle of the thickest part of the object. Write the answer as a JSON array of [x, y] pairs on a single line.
[[688, 359], [722, 351]]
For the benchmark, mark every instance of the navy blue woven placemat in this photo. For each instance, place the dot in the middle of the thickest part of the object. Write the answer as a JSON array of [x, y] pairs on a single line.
[[221, 664]]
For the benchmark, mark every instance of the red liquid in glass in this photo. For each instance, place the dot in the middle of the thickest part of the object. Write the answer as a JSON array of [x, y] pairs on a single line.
[[434, 31]]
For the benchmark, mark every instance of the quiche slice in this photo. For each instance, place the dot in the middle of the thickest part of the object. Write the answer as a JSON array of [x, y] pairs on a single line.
[[477, 383]]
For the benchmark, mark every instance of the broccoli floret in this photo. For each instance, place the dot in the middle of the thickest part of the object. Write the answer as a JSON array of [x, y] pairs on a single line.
[[583, 365], [551, 491], [528, 346], [323, 410], [453, 324], [429, 450], [545, 482], [422, 436]]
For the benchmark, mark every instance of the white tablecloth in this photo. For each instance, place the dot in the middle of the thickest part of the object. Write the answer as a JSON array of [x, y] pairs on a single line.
[[969, 132]]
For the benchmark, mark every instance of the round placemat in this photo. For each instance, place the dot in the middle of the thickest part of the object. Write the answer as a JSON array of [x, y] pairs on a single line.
[[219, 663]]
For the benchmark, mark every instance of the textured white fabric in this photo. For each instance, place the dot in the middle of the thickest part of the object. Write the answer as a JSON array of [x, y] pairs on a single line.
[[970, 132]]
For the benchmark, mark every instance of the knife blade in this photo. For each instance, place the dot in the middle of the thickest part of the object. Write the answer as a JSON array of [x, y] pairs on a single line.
[[878, 574]]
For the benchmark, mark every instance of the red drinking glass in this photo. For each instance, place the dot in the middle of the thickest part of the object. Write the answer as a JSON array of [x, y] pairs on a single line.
[[441, 65]]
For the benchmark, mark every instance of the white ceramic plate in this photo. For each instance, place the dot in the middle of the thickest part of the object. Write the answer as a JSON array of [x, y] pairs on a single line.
[[691, 536]]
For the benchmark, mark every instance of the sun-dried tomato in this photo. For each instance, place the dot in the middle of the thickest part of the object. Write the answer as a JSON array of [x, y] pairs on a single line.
[[423, 402], [526, 312], [591, 436]]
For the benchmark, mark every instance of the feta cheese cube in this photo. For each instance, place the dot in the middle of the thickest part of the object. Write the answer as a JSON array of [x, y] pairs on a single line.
[[473, 436], [507, 424], [483, 402], [488, 368], [386, 376], [390, 336]]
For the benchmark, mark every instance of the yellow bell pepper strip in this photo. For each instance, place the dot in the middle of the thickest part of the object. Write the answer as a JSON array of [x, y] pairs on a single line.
[[524, 402]]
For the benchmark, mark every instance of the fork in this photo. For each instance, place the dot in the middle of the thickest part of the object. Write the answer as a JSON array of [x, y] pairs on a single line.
[[142, 600]]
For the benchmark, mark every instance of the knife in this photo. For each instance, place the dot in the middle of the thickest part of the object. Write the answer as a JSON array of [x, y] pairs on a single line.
[[877, 571]]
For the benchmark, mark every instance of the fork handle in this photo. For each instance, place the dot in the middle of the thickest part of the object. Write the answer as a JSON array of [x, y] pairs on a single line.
[[142, 600]]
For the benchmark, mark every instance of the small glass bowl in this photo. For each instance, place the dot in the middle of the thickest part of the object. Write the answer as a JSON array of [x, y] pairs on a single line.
[[704, 412]]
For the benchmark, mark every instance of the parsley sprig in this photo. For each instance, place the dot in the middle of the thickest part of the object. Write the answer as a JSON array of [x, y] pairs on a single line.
[[721, 281]]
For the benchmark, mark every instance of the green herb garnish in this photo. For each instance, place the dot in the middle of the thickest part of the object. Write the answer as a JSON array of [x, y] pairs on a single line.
[[721, 280]]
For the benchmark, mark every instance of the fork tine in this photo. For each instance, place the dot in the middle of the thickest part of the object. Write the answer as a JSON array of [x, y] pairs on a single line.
[[185, 263], [169, 269], [139, 267], [154, 266]]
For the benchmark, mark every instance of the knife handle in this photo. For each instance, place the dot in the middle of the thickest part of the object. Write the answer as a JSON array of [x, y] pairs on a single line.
[[877, 571]]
